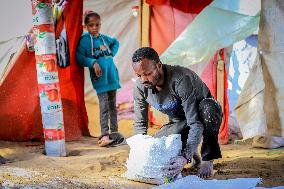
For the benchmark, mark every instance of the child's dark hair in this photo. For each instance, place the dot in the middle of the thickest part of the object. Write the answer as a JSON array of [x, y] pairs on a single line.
[[89, 14]]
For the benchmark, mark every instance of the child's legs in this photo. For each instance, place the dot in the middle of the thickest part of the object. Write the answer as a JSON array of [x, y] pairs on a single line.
[[103, 103], [112, 111]]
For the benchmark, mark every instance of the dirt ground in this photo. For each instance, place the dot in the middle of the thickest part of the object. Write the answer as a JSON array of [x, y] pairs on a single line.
[[90, 166]]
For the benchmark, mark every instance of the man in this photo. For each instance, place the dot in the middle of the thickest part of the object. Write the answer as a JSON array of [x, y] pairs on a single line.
[[193, 113]]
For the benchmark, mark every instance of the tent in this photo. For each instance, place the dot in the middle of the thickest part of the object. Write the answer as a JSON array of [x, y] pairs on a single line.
[[20, 117], [160, 22], [171, 13]]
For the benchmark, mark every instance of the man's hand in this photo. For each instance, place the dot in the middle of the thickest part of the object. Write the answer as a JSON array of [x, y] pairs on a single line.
[[176, 166], [98, 70], [205, 169]]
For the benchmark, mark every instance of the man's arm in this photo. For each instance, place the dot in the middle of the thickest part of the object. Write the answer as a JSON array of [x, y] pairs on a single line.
[[140, 111], [186, 91]]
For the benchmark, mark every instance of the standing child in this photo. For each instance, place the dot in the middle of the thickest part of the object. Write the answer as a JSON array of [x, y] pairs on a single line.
[[96, 51]]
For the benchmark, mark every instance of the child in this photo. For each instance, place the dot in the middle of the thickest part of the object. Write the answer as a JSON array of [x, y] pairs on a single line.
[[96, 51]]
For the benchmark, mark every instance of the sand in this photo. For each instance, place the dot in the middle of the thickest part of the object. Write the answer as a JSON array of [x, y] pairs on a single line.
[[90, 166]]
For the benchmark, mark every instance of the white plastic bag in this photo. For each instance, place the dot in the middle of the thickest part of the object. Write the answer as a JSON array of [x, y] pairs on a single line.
[[148, 156], [194, 182]]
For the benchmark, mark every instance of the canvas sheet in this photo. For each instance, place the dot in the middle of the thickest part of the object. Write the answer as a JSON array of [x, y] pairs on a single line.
[[117, 21], [260, 106]]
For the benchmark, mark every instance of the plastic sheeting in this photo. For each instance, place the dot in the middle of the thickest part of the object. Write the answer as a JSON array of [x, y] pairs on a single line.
[[7, 51], [242, 58], [214, 28], [241, 62], [162, 36], [194, 182], [260, 107]]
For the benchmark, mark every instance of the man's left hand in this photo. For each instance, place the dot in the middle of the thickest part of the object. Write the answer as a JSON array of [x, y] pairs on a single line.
[[176, 166]]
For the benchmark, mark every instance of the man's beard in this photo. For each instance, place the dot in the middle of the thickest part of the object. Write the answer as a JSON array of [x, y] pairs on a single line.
[[150, 85]]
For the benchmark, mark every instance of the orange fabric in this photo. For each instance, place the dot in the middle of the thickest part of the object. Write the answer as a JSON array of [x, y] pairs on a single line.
[[187, 6], [20, 117], [72, 77], [167, 23], [209, 76]]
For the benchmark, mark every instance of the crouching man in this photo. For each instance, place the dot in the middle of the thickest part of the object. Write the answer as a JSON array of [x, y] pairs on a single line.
[[193, 113]]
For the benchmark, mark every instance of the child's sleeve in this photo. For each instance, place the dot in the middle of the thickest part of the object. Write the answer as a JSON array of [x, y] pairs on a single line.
[[114, 45], [81, 56]]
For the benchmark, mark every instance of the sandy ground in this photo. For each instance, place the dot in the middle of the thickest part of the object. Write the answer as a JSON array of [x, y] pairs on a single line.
[[90, 166]]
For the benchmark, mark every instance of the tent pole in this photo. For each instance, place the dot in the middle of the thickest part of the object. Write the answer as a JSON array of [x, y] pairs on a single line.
[[144, 24], [223, 131], [47, 77], [220, 80]]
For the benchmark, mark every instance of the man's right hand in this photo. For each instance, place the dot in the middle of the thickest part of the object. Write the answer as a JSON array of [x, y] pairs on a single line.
[[175, 167], [98, 70]]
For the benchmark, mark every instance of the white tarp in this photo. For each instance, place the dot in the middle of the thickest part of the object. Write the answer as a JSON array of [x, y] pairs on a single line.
[[241, 61], [242, 58], [219, 25], [7, 51], [260, 107], [12, 30], [194, 182]]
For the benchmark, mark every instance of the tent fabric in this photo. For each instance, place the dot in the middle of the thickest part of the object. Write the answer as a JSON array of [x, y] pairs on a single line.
[[125, 101], [241, 62], [226, 27], [163, 16], [200, 45], [19, 101], [8, 49], [161, 36], [187, 6], [260, 106], [72, 78], [249, 106], [117, 21]]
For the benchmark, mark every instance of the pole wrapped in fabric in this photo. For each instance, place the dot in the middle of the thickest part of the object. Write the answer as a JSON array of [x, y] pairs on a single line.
[[47, 78]]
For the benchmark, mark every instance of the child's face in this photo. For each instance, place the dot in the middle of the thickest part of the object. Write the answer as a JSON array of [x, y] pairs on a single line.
[[94, 25]]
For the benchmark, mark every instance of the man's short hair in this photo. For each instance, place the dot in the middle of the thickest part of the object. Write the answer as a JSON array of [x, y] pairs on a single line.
[[145, 52]]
